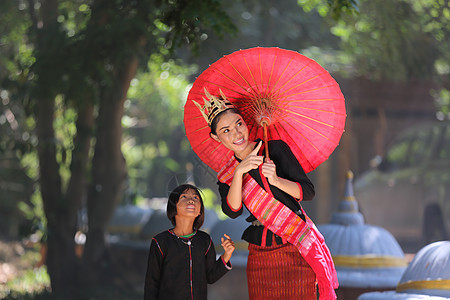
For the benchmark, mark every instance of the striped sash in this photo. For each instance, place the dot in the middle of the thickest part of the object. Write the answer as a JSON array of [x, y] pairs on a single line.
[[281, 220]]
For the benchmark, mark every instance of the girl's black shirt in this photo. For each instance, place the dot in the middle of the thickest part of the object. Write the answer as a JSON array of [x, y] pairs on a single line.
[[287, 167], [169, 265]]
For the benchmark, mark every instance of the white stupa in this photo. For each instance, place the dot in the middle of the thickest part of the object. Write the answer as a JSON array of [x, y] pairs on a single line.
[[365, 256], [427, 276]]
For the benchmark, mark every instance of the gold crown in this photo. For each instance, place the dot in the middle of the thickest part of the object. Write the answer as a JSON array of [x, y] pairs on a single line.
[[214, 106]]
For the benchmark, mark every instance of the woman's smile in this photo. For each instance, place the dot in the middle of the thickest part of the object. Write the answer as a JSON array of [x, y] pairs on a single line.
[[240, 141], [232, 132]]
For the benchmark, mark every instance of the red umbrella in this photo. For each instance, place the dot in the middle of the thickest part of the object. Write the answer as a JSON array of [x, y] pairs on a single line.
[[302, 104]]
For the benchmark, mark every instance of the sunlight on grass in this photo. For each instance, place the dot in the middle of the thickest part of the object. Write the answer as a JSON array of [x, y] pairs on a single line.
[[30, 282], [24, 281]]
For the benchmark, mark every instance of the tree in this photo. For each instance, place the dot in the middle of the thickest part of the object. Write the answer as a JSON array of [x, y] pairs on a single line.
[[86, 54], [407, 39]]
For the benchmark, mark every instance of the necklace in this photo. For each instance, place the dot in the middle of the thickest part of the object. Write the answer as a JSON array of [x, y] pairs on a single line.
[[183, 237], [187, 243]]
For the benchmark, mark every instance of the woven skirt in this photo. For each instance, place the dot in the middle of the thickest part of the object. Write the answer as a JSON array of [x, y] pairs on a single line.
[[279, 272]]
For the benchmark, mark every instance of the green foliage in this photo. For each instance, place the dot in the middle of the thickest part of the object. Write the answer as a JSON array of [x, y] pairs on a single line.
[[397, 41], [334, 8], [154, 143], [34, 213], [442, 102], [211, 202], [14, 49], [187, 19]]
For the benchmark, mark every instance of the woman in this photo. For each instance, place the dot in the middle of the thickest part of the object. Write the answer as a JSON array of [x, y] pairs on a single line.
[[275, 267]]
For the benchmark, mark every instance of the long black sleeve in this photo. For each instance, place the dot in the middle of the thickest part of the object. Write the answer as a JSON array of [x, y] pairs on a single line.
[[215, 269], [153, 275]]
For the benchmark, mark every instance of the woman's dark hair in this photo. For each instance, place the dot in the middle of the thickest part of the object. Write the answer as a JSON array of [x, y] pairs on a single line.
[[173, 200], [217, 118]]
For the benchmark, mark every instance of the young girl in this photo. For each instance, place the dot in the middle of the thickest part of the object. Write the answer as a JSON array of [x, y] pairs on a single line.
[[182, 260]]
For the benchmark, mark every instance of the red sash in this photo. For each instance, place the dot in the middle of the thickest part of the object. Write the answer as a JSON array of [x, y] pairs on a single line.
[[281, 220]]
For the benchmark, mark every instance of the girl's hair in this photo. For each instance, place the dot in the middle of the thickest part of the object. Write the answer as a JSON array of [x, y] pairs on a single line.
[[173, 200], [217, 118]]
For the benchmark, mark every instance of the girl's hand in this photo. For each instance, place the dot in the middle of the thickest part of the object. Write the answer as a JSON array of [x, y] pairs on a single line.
[[252, 161], [228, 246], [269, 171]]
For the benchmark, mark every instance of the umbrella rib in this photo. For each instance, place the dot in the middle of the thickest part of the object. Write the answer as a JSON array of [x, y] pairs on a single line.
[[225, 157], [316, 109], [201, 128], [300, 83], [271, 71], [204, 141], [229, 78], [248, 109], [222, 87], [251, 74], [310, 90], [314, 100], [216, 148], [279, 134], [238, 72], [260, 68], [294, 128], [306, 139], [256, 92], [281, 75], [292, 77], [309, 118]]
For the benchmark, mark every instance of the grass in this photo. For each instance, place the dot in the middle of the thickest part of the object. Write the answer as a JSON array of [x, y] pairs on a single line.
[[31, 284], [20, 276]]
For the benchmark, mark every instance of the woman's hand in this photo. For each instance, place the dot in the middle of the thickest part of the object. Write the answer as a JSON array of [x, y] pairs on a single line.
[[228, 246], [269, 171], [252, 161]]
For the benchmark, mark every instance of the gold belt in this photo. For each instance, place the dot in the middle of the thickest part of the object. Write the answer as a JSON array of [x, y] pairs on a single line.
[[257, 223]]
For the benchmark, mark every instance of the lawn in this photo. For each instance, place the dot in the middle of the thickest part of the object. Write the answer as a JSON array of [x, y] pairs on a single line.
[[24, 277]]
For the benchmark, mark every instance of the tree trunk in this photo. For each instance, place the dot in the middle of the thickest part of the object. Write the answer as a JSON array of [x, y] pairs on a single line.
[[76, 189], [108, 172], [60, 260]]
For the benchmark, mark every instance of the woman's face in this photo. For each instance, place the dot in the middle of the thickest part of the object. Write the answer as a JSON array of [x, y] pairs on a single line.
[[232, 132]]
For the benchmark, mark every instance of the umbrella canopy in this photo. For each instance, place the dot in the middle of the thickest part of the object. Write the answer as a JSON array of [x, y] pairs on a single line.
[[300, 101]]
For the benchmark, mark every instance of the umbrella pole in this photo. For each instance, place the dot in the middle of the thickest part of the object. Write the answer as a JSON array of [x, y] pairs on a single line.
[[266, 145]]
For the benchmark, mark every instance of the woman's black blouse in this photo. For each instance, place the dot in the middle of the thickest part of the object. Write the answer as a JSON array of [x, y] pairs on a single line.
[[169, 267], [287, 167]]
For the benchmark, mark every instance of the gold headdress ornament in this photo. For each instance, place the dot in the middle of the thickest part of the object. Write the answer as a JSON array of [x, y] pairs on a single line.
[[214, 106]]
